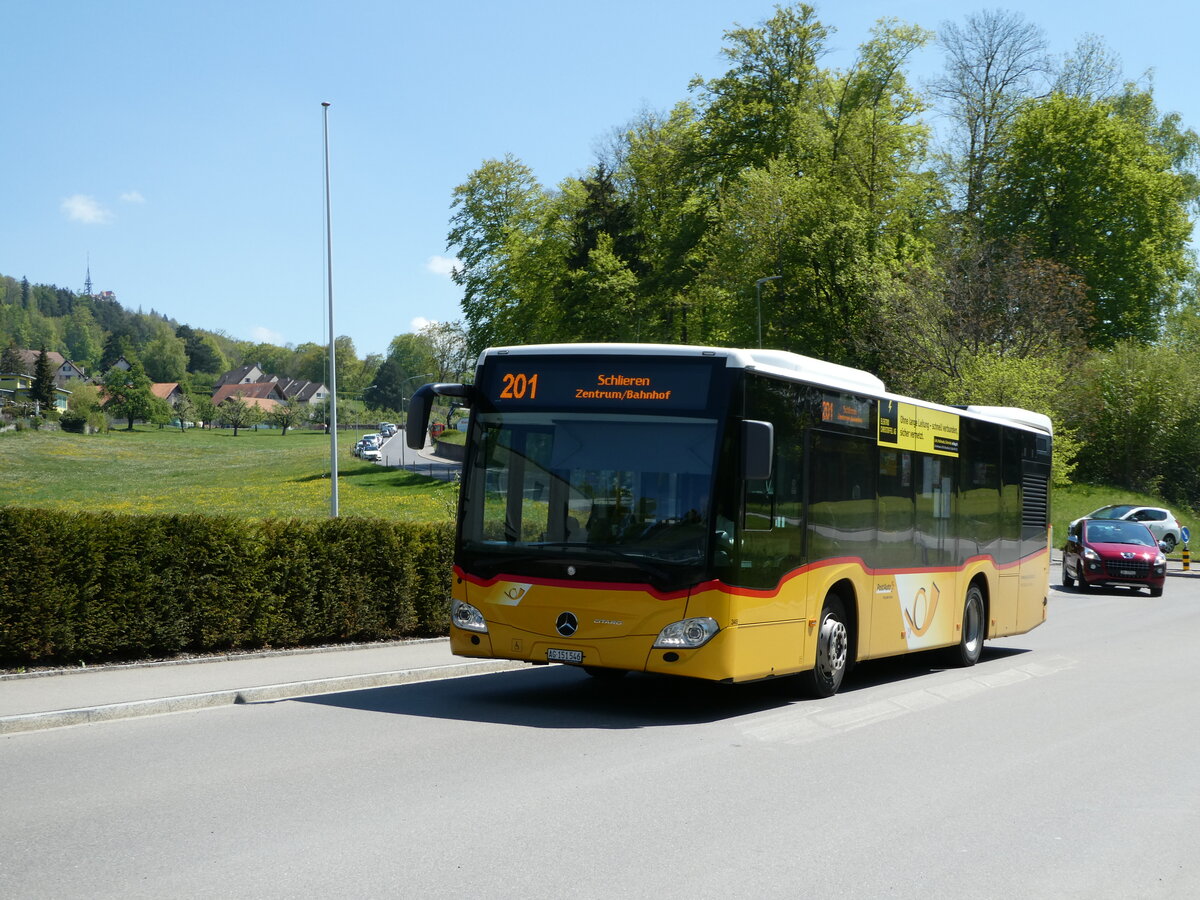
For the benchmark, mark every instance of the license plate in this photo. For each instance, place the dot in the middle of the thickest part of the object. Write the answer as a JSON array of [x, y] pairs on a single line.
[[1128, 573], [569, 656]]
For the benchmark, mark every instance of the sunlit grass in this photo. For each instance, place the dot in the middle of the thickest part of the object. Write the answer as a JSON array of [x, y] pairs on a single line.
[[257, 474]]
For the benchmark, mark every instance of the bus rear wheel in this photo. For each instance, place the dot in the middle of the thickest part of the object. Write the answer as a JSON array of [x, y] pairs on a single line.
[[833, 651], [974, 628]]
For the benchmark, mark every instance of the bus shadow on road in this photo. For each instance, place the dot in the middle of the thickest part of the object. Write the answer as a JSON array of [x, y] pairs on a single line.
[[563, 697]]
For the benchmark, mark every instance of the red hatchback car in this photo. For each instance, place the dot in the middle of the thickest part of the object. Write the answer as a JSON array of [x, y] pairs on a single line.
[[1113, 552]]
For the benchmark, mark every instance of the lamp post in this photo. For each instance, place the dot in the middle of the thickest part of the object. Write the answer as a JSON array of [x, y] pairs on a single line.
[[758, 298], [333, 435]]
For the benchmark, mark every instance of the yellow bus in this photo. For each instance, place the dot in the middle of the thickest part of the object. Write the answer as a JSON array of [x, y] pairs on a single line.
[[735, 515]]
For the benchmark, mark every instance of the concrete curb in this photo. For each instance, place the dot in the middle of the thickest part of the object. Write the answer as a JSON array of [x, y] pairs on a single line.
[[270, 693]]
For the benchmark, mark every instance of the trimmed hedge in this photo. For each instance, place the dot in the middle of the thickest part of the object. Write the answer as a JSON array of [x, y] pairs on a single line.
[[97, 587]]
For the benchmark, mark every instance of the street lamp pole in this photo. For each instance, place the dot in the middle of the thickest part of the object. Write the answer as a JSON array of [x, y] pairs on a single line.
[[758, 296], [333, 435]]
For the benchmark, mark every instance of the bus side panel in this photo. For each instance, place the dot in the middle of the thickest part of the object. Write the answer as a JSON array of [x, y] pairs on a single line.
[[1035, 580], [765, 634], [915, 611], [1002, 610]]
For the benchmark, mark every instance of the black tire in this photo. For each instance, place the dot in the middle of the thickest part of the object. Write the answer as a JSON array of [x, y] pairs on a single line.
[[833, 651], [1156, 592], [1067, 580], [1169, 541], [974, 629], [602, 674]]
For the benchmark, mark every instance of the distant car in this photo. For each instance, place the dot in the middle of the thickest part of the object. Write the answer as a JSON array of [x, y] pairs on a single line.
[[387, 429], [1161, 522], [372, 454], [1113, 552], [358, 448]]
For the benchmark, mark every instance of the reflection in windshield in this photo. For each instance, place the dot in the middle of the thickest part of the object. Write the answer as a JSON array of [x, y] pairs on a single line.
[[597, 484], [1118, 532]]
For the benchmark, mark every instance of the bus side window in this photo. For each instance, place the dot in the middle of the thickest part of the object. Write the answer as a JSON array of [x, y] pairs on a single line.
[[760, 505]]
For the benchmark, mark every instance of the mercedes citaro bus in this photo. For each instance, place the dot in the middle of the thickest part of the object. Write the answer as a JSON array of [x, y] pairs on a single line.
[[735, 515]]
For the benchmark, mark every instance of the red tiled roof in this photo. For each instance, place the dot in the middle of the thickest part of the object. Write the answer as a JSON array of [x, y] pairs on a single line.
[[262, 390]]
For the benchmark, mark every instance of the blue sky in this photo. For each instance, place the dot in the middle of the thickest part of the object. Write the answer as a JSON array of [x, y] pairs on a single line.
[[179, 145]]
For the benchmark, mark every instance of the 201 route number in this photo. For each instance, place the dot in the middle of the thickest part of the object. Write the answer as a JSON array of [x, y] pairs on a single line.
[[518, 386]]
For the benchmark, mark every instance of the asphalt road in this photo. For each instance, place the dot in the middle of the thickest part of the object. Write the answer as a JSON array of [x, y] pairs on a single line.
[[1065, 764]]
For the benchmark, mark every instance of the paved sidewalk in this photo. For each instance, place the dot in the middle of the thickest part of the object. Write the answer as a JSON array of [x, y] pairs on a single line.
[[41, 700]]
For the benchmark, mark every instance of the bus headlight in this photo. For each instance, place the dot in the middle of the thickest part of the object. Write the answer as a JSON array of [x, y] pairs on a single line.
[[467, 617], [687, 634]]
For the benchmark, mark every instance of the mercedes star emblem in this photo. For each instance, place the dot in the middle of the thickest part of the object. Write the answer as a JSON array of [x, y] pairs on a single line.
[[567, 624]]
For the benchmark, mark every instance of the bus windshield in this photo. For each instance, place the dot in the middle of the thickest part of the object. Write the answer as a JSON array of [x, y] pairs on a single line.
[[550, 484]]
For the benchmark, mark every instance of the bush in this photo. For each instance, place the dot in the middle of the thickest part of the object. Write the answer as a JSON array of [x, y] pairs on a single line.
[[75, 422], [83, 587]]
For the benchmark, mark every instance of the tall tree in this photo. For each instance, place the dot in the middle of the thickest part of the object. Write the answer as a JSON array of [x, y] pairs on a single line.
[[767, 103], [1089, 188], [497, 213], [84, 340], [995, 61], [43, 388], [11, 361], [165, 359]]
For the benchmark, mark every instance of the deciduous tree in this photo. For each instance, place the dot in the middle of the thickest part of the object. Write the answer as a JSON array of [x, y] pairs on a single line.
[[1089, 188], [128, 393]]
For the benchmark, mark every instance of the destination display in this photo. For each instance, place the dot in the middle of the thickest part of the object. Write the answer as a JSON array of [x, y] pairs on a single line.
[[633, 382], [906, 426], [846, 410]]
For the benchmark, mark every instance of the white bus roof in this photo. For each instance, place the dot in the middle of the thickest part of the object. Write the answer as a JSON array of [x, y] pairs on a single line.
[[782, 363], [777, 362]]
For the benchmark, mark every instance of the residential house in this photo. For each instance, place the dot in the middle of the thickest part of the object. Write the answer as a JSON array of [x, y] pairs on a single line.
[[264, 394], [65, 371], [17, 387], [167, 390], [243, 375], [311, 392]]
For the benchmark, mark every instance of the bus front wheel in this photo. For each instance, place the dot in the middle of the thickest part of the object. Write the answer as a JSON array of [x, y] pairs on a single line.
[[974, 628], [833, 651]]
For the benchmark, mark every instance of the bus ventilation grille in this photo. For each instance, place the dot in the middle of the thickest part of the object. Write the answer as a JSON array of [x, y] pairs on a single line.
[[1034, 500]]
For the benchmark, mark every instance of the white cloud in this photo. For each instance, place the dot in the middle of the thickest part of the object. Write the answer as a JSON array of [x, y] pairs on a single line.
[[133, 197], [441, 265], [262, 335], [85, 209], [418, 323]]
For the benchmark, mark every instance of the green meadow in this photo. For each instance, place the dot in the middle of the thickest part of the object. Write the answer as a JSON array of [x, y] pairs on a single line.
[[257, 474]]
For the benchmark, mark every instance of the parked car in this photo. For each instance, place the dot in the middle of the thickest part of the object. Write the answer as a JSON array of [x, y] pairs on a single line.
[[1161, 522], [358, 448], [372, 454], [387, 429], [1113, 552]]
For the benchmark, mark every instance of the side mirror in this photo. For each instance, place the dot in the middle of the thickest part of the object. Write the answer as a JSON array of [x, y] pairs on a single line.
[[1164, 547], [758, 449], [420, 405]]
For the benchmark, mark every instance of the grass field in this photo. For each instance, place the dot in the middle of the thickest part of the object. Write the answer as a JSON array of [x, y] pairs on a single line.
[[257, 474]]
